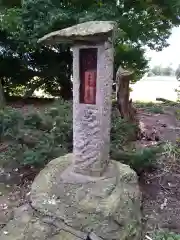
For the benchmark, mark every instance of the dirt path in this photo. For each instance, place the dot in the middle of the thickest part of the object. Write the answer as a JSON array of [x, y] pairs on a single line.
[[15, 187], [161, 188]]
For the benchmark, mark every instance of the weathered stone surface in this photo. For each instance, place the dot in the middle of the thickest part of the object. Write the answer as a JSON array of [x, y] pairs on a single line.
[[29, 225], [110, 205], [5, 217], [26, 226], [91, 123], [88, 31], [63, 235]]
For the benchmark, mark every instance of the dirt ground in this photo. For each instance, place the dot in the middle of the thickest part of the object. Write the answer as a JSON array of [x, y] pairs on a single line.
[[160, 188]]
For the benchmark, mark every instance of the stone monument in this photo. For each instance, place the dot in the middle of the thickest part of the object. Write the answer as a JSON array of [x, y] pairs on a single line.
[[85, 194], [93, 56]]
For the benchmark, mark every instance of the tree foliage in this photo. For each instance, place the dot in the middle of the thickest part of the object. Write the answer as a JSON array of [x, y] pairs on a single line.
[[24, 71], [140, 23]]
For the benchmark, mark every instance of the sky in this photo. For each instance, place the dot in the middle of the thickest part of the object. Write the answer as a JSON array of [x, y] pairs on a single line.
[[170, 55]]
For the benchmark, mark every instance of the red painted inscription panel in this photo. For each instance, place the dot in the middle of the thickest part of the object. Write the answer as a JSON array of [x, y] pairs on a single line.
[[88, 75]]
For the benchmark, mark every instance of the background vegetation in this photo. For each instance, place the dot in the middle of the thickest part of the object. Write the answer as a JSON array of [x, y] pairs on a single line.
[[33, 138], [25, 66]]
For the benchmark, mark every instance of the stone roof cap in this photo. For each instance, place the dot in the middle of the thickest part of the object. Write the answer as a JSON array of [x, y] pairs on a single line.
[[92, 31]]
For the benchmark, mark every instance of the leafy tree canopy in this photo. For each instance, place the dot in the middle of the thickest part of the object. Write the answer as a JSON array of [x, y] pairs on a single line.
[[141, 23]]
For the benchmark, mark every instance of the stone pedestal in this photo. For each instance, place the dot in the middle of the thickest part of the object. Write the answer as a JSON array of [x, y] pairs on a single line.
[[110, 207]]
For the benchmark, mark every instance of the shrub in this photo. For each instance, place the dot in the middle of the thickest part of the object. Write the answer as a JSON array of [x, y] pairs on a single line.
[[40, 136], [56, 140], [165, 235], [121, 131], [44, 151], [10, 120], [138, 160], [33, 120], [156, 109], [150, 107]]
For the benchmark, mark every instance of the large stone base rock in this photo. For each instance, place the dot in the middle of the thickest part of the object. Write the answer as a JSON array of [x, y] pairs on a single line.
[[109, 206], [27, 224]]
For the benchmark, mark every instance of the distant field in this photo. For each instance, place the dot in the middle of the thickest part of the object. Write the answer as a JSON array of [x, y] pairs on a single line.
[[149, 88]]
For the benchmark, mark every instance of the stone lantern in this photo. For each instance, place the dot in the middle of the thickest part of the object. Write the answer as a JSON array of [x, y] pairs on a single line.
[[93, 55]]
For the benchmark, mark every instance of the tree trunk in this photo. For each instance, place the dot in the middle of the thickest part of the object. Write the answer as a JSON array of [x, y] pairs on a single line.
[[126, 109], [2, 99]]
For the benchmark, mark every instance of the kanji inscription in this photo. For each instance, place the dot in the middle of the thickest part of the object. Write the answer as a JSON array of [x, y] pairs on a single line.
[[88, 75]]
